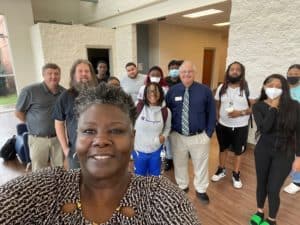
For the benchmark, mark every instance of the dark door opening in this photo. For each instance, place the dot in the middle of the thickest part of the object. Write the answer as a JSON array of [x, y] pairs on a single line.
[[97, 54], [208, 64]]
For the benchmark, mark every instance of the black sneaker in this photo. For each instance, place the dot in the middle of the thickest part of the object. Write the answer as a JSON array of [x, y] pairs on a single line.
[[203, 197], [168, 164]]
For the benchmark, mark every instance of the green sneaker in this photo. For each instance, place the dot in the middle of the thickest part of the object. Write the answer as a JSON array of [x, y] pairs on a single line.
[[256, 220]]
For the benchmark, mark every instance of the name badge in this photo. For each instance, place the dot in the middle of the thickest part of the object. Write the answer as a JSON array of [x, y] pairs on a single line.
[[178, 98]]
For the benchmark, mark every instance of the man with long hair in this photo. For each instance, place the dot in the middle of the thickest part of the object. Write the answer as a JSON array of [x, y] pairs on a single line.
[[233, 103], [82, 76]]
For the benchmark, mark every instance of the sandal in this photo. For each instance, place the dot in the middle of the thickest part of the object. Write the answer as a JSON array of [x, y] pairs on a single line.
[[256, 220]]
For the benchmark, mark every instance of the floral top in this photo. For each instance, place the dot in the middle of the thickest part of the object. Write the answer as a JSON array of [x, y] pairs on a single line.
[[41, 197]]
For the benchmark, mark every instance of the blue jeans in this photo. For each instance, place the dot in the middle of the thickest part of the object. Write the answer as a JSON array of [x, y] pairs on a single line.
[[147, 164]]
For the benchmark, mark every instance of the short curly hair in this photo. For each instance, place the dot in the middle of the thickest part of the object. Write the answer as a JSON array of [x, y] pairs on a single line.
[[106, 94]]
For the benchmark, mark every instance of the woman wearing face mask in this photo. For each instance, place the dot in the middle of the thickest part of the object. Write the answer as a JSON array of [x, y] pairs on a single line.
[[155, 75], [277, 117], [293, 77]]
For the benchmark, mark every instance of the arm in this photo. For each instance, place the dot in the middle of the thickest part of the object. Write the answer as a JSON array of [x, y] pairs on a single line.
[[23, 105], [237, 113], [264, 120], [21, 116], [218, 105], [60, 129], [167, 128], [210, 114], [296, 164]]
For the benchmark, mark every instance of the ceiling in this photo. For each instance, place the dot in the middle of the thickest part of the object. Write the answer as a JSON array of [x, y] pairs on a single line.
[[205, 22]]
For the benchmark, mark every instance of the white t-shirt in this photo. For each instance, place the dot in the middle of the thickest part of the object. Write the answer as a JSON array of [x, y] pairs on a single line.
[[132, 86], [233, 99]]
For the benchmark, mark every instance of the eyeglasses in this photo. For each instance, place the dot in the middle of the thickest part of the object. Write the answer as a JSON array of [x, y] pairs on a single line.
[[187, 71]]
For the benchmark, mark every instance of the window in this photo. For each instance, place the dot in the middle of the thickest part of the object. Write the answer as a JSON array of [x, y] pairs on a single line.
[[8, 94]]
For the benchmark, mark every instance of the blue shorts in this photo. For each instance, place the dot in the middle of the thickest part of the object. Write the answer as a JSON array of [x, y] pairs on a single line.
[[147, 164]]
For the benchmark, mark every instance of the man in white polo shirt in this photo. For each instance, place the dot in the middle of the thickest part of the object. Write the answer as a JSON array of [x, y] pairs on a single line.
[[234, 101]]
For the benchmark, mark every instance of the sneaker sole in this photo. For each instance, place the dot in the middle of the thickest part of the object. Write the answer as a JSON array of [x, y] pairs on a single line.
[[235, 186], [218, 179]]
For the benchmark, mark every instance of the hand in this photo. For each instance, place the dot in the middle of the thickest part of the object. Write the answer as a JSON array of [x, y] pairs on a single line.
[[234, 114], [275, 102], [296, 164], [66, 152], [161, 139]]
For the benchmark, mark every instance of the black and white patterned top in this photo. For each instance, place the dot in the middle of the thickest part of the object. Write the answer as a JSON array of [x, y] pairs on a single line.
[[39, 198]]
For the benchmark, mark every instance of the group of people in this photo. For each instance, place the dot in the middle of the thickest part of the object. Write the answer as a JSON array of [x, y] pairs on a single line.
[[144, 116]]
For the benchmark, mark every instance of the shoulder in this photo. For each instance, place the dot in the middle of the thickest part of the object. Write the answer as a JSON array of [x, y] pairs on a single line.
[[31, 195], [66, 95], [259, 105], [33, 180], [159, 188], [32, 87], [198, 86], [61, 88]]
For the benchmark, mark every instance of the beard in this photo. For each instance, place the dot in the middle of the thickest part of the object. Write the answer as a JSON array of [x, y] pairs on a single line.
[[81, 86]]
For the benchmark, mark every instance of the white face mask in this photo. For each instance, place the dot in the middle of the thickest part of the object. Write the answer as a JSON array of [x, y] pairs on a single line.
[[273, 93], [155, 79]]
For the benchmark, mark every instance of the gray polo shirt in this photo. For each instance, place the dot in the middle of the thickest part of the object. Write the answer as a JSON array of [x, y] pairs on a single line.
[[37, 102]]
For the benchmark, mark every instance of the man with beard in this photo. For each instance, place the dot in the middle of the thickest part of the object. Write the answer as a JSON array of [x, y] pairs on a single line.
[[82, 76], [34, 107], [233, 103]]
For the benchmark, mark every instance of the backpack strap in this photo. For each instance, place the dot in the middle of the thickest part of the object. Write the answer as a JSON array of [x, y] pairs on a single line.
[[139, 107], [247, 92], [164, 112]]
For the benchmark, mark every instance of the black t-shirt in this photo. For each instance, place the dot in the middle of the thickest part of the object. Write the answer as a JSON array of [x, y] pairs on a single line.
[[64, 111], [171, 83]]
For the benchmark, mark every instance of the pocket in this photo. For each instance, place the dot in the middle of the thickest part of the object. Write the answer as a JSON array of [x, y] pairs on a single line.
[[204, 138]]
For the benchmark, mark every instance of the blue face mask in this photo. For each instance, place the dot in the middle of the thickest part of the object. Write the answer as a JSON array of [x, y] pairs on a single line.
[[174, 73]]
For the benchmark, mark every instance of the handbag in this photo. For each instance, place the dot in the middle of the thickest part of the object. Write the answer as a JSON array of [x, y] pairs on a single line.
[[8, 151]]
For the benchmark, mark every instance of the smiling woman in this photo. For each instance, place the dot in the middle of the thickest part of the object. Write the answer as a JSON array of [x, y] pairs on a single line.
[[106, 117]]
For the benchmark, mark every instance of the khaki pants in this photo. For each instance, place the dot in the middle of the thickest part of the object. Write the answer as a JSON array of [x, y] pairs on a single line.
[[198, 146], [42, 149]]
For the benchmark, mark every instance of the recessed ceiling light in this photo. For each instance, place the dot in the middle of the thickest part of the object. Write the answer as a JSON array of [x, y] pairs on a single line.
[[222, 24], [203, 13]]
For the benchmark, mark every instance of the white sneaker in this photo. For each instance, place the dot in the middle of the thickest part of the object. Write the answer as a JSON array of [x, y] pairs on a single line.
[[221, 172], [292, 188], [236, 181]]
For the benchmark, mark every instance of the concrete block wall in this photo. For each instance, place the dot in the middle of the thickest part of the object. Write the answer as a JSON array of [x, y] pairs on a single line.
[[126, 48], [265, 36], [63, 44]]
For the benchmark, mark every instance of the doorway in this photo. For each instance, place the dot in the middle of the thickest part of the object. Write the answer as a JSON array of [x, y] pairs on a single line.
[[97, 54], [208, 63]]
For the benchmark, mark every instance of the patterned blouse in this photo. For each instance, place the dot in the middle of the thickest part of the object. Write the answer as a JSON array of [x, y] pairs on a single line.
[[41, 197]]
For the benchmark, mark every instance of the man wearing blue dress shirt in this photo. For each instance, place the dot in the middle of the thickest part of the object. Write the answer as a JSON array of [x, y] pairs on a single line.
[[193, 122]]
